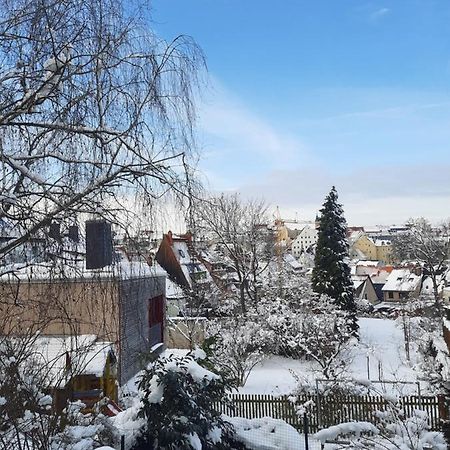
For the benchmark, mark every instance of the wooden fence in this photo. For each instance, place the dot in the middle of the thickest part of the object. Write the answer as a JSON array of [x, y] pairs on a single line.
[[330, 409]]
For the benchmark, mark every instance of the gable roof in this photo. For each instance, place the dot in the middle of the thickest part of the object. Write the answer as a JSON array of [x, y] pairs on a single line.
[[402, 280]]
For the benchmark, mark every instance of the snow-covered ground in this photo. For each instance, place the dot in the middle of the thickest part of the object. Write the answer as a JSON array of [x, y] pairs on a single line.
[[381, 346]]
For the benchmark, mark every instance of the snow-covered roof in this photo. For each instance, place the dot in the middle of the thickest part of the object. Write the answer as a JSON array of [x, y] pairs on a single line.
[[76, 270], [382, 242], [86, 355], [358, 280], [402, 280], [289, 259], [378, 275], [368, 263], [181, 251], [427, 286], [373, 230], [354, 236]]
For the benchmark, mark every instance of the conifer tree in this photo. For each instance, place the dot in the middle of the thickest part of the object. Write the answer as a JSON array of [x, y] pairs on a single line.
[[331, 273]]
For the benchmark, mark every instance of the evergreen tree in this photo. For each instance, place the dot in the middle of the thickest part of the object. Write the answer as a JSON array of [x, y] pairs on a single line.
[[177, 406], [331, 273]]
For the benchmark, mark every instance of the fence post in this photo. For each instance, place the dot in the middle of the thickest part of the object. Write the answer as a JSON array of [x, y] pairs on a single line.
[[305, 430], [122, 442], [319, 406]]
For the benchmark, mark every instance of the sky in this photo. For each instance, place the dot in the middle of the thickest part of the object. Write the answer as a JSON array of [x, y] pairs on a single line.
[[303, 95]]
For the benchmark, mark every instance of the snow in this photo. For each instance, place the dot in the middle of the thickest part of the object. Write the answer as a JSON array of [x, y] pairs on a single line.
[[447, 324], [289, 259], [355, 428], [76, 270], [197, 372], [194, 441], [402, 280], [215, 434], [87, 355], [368, 263], [381, 342], [358, 280], [173, 291], [267, 434], [128, 423]]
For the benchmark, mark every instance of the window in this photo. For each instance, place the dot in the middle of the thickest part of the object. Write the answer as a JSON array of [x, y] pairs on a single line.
[[156, 320], [181, 253], [390, 294]]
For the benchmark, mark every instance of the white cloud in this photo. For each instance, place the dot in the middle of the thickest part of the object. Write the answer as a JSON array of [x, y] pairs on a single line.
[[230, 129], [374, 195], [379, 13]]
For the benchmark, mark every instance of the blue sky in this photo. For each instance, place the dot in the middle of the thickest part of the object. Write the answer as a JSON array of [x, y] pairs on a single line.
[[307, 94]]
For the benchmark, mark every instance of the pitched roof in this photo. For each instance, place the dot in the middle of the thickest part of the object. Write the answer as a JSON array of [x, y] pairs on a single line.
[[402, 280]]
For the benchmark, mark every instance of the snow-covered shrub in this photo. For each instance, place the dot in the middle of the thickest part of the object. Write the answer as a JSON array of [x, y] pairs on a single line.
[[84, 431], [236, 345], [177, 406]]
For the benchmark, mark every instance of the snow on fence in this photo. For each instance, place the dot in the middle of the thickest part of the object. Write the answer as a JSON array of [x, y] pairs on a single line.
[[329, 410]]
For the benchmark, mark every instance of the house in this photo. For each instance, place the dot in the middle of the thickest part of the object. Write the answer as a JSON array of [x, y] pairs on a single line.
[[78, 368], [383, 248], [364, 288], [177, 256], [361, 246], [121, 305], [376, 248], [306, 239], [377, 272], [401, 284]]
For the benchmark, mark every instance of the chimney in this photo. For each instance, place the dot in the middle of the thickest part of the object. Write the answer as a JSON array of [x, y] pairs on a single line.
[[98, 244], [73, 233], [54, 231]]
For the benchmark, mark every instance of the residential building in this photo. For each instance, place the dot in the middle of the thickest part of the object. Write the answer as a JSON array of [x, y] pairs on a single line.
[[306, 239], [122, 305], [402, 284], [177, 256], [378, 275], [363, 246], [364, 288]]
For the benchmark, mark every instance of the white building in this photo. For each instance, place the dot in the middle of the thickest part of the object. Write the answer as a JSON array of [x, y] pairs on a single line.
[[305, 240]]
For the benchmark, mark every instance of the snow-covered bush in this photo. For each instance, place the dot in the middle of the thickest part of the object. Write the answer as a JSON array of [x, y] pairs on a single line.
[[236, 345], [83, 431], [177, 406]]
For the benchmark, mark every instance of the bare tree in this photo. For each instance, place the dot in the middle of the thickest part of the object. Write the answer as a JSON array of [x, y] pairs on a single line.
[[93, 108], [426, 245], [239, 229]]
